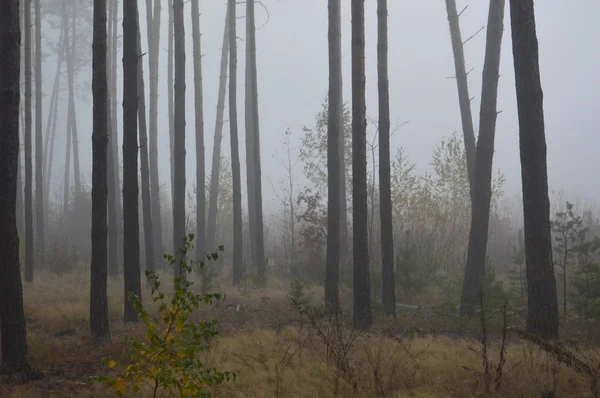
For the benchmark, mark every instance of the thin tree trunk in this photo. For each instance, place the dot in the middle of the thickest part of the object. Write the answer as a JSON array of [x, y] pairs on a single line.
[[29, 260], [237, 269], [146, 205], [153, 22], [67, 173], [334, 171], [463, 90], [99, 327], [216, 153], [131, 228], [542, 306], [199, 121], [178, 150], [482, 190], [39, 150], [12, 319], [249, 125], [259, 253], [72, 115], [113, 152], [363, 317], [388, 276], [170, 99]]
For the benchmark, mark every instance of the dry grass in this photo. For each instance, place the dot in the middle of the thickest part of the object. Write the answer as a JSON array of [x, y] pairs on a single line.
[[277, 354]]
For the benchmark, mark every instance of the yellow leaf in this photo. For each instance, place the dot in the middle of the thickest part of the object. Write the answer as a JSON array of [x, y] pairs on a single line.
[[120, 385], [112, 364]]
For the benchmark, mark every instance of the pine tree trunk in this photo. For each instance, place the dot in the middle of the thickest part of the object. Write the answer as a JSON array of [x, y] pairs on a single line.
[[216, 153], [153, 22], [237, 271], [39, 150], [199, 119], [99, 327], [388, 276], [67, 173], [114, 217], [334, 171], [482, 190], [146, 201], [463, 90], [73, 116], [170, 98], [363, 317], [259, 253], [131, 228], [179, 230], [542, 305], [29, 260], [12, 319]]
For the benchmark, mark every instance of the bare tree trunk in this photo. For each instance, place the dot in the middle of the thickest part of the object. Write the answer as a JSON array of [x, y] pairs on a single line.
[[334, 171], [170, 99], [12, 319], [99, 327], [388, 275], [29, 261], [216, 153], [542, 305], [178, 150], [114, 214], [146, 205], [237, 271], [463, 90], [39, 150], [153, 23], [482, 190], [363, 317], [199, 119], [73, 117], [259, 253], [131, 228]]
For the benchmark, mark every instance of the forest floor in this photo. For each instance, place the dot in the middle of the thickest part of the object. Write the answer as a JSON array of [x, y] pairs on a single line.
[[277, 353]]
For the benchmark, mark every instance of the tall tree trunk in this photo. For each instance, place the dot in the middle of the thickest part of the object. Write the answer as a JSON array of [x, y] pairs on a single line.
[[29, 261], [67, 173], [131, 227], [259, 253], [216, 153], [463, 90], [199, 119], [388, 276], [237, 271], [13, 338], [71, 48], [178, 150], [542, 306], [153, 22], [39, 150], [482, 190], [170, 98], [99, 328], [146, 205], [363, 317], [334, 171], [114, 217], [249, 126]]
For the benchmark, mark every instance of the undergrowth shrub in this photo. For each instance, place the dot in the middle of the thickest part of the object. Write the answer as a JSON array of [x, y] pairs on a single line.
[[169, 358]]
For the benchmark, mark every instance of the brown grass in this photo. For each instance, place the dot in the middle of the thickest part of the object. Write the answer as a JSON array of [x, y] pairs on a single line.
[[278, 354]]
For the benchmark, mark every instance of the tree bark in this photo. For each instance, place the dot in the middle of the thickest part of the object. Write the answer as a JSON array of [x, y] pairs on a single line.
[[131, 228], [146, 205], [542, 305], [363, 317], [29, 260], [178, 151], [99, 327], [67, 172], [13, 337], [170, 99], [153, 23], [237, 269], [216, 153], [482, 190], [72, 114], [334, 172], [463, 90], [388, 276], [39, 150], [199, 121]]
